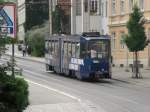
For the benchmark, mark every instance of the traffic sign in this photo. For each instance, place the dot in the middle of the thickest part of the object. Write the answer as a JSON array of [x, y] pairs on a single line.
[[8, 19]]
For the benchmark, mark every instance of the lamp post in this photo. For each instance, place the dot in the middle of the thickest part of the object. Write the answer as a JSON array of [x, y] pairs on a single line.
[[50, 17]]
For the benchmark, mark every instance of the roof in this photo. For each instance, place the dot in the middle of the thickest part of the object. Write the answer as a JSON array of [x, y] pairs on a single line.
[[87, 36]]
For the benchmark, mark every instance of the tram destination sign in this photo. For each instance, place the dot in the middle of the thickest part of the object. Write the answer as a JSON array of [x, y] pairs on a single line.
[[8, 19]]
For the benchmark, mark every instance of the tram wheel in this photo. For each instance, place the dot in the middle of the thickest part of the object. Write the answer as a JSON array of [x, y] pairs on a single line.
[[94, 79], [68, 73], [108, 76], [47, 67]]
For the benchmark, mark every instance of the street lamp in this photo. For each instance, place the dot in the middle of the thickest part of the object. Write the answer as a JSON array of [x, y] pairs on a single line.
[[50, 16]]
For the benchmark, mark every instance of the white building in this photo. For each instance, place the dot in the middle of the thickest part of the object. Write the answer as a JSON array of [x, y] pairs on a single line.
[[89, 15], [21, 12]]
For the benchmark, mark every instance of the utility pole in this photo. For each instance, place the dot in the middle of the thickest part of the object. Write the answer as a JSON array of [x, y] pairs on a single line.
[[73, 16], [50, 17]]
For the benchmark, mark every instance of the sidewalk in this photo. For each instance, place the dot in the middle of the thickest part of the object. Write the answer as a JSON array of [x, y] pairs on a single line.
[[121, 75], [19, 54]]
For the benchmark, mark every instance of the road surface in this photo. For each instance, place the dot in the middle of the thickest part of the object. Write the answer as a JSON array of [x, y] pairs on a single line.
[[103, 96]]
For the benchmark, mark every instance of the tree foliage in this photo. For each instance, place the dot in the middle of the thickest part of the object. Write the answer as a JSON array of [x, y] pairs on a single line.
[[13, 92], [37, 12], [136, 38], [35, 40], [1, 1], [58, 20]]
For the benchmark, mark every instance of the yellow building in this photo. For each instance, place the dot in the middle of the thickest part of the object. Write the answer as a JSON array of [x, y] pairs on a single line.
[[118, 16]]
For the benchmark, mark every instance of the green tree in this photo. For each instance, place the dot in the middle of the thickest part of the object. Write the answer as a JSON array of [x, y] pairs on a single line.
[[35, 40], [58, 20], [37, 12], [2, 1], [136, 38]]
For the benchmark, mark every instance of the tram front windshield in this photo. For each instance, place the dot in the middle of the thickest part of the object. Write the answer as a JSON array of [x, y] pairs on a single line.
[[98, 48]]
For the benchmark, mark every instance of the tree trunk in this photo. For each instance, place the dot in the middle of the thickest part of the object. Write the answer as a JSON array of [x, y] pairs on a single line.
[[136, 65]]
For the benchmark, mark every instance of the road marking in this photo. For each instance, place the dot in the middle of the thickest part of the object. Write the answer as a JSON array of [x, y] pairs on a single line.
[[79, 100], [115, 96], [55, 90]]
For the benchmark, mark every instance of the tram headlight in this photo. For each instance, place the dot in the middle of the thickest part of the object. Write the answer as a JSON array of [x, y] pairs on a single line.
[[102, 70]]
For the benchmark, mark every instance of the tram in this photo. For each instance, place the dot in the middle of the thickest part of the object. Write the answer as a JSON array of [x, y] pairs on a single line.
[[86, 56]]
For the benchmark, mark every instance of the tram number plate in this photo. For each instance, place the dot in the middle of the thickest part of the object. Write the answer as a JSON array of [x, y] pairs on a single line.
[[95, 61]]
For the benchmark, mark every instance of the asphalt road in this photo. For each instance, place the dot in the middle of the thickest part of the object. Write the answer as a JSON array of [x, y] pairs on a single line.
[[109, 95]]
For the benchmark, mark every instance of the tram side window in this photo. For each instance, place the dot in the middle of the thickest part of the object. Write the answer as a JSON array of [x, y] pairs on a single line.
[[50, 47], [46, 46], [65, 49], [83, 50], [77, 50], [56, 47], [73, 49], [69, 49], [53, 47]]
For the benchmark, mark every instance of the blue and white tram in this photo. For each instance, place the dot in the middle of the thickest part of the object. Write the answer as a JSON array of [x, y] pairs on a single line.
[[86, 56]]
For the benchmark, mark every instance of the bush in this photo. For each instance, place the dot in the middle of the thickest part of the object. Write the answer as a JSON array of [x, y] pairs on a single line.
[[13, 94], [37, 45], [35, 40]]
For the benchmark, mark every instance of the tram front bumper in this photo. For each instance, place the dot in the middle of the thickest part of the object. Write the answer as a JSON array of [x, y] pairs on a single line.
[[99, 74]]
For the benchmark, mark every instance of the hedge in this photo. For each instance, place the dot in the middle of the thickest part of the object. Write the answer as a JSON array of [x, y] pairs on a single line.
[[13, 94]]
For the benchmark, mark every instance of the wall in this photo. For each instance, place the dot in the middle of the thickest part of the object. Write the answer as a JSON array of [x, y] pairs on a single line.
[[117, 24]]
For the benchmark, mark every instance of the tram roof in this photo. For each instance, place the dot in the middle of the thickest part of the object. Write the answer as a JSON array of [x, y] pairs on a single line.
[[105, 37], [77, 37]]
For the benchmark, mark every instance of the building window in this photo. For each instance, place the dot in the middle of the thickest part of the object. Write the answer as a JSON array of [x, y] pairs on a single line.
[[93, 6], [141, 4], [78, 7], [113, 7], [130, 5], [113, 40], [122, 44], [85, 5], [122, 7]]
